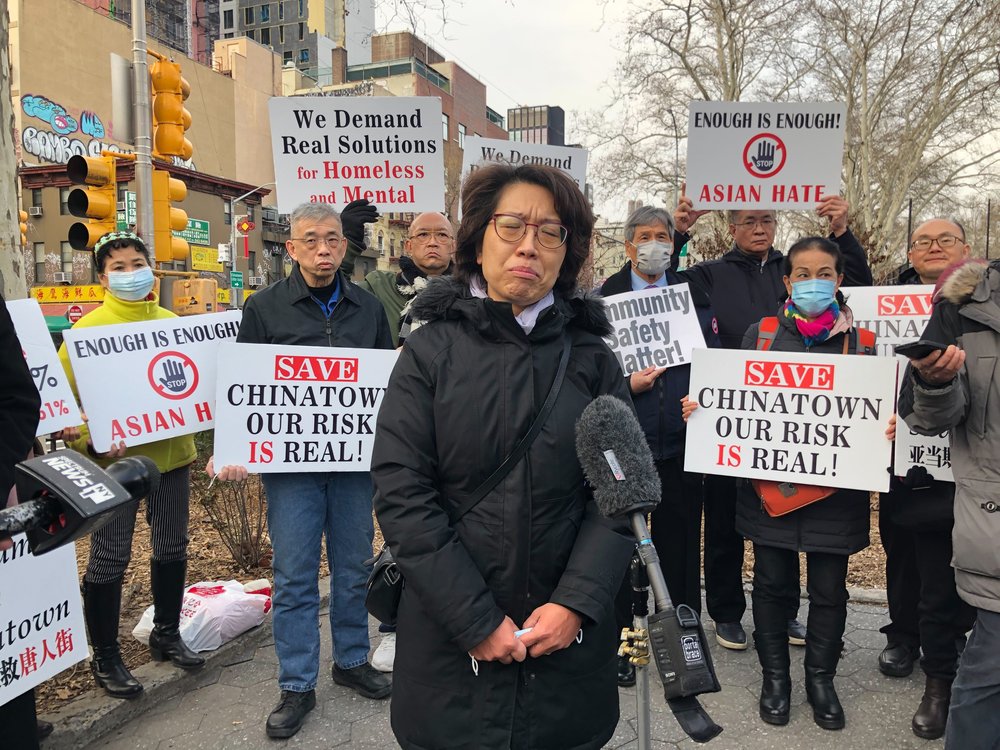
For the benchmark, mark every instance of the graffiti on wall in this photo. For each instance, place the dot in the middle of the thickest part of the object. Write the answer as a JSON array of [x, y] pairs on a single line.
[[53, 147], [61, 121]]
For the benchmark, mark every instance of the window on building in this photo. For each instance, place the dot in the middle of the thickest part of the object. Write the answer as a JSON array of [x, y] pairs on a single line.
[[461, 135], [227, 36], [36, 197], [251, 34], [392, 247], [281, 35], [39, 249], [381, 244], [252, 263], [63, 197], [66, 254], [248, 16], [227, 19], [265, 37], [281, 10], [265, 13], [302, 30], [227, 212], [302, 8], [286, 56], [304, 55], [444, 127]]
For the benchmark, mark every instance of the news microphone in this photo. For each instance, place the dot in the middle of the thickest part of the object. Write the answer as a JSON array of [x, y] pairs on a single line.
[[66, 496], [618, 465]]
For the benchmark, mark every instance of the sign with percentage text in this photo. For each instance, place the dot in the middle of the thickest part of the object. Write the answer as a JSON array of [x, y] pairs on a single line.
[[58, 404], [44, 634], [148, 381]]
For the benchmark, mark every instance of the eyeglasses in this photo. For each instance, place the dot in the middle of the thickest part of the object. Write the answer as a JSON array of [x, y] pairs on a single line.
[[331, 240], [944, 242], [766, 223], [511, 228], [422, 238]]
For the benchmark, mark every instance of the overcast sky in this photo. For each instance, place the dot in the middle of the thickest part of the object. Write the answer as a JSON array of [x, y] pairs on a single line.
[[528, 52]]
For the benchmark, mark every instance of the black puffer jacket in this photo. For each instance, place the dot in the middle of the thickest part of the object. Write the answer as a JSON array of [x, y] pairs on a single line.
[[837, 524], [743, 290], [466, 387]]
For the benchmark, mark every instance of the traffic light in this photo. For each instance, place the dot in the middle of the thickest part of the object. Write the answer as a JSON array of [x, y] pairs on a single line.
[[167, 218], [95, 202], [170, 118], [22, 222]]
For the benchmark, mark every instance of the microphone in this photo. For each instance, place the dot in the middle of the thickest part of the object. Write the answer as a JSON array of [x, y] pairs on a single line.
[[67, 496], [618, 465]]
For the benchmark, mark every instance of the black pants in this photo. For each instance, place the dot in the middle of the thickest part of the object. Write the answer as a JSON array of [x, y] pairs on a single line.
[[776, 589], [18, 722], [676, 534], [924, 606]]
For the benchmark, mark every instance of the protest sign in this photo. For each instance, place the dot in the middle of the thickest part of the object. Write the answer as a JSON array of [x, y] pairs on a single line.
[[796, 417], [653, 327], [148, 381], [58, 404], [41, 628], [339, 149], [764, 155], [298, 408], [898, 315], [479, 152]]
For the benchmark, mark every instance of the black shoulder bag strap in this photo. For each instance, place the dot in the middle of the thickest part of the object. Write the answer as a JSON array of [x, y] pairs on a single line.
[[523, 444]]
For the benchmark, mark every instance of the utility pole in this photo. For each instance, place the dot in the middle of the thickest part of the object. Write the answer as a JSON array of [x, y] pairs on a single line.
[[143, 137], [233, 302]]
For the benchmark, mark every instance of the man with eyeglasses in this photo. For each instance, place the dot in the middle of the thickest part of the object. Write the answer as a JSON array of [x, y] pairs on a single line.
[[915, 522], [429, 250], [317, 306], [743, 286]]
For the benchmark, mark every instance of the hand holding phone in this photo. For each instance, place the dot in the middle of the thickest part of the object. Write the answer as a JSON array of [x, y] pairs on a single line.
[[919, 349]]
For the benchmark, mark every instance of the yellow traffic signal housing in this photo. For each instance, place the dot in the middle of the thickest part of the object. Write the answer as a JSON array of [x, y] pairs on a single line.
[[166, 218], [97, 202], [22, 222], [170, 118]]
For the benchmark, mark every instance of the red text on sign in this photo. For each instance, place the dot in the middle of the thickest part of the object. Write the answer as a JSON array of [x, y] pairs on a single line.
[[789, 375], [330, 369]]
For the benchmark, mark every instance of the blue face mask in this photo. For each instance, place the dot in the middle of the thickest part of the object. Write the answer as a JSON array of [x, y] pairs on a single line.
[[813, 296], [131, 286]]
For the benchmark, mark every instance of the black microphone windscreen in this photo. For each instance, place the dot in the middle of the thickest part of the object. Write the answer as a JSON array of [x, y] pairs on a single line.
[[615, 458], [137, 474]]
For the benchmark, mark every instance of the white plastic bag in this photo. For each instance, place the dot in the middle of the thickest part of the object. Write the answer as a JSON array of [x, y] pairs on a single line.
[[213, 613]]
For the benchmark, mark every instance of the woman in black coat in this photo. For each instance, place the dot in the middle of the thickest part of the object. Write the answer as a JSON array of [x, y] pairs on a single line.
[[534, 555], [814, 318]]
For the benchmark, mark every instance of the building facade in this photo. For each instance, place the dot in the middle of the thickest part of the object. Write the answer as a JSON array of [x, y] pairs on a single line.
[[543, 124]]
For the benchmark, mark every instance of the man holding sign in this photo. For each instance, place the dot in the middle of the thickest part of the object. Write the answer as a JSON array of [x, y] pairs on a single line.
[[317, 306], [656, 393], [743, 286]]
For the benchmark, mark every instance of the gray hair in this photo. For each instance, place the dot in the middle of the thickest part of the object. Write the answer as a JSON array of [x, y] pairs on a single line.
[[314, 212], [647, 216]]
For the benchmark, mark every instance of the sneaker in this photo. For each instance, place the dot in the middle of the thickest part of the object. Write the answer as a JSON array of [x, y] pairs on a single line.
[[796, 633], [385, 654], [287, 717], [364, 680], [731, 635]]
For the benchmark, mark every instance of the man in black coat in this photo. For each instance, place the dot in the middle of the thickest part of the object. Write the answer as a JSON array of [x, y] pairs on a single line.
[[917, 513], [656, 393], [19, 408], [743, 286]]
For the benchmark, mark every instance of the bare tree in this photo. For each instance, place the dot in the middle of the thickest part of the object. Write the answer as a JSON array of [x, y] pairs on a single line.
[[919, 78], [12, 269]]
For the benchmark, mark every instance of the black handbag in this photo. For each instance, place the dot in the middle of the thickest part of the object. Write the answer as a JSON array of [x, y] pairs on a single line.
[[385, 582]]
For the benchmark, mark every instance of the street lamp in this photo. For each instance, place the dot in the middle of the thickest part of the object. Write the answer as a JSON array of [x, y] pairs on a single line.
[[233, 303]]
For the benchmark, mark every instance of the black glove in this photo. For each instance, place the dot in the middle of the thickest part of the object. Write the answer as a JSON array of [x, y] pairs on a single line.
[[917, 477], [353, 219]]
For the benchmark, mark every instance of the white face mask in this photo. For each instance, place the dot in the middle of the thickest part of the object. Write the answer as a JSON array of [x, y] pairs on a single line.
[[653, 257]]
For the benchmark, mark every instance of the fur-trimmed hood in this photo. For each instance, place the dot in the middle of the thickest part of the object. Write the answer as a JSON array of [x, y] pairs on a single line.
[[446, 297], [959, 283]]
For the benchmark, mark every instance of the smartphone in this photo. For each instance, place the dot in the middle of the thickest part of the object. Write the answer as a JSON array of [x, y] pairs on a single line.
[[919, 349]]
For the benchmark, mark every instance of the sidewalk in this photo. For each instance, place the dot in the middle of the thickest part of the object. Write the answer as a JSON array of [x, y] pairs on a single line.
[[225, 705]]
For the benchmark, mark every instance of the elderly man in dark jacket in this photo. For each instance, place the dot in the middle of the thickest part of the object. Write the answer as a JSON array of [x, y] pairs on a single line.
[[19, 405], [915, 522], [656, 394], [743, 286], [958, 389]]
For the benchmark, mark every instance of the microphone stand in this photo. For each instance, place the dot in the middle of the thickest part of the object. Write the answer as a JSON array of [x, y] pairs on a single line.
[[638, 640]]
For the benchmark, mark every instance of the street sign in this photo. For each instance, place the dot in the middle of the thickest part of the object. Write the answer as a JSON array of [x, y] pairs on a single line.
[[197, 232], [205, 259], [74, 313], [236, 279], [126, 218]]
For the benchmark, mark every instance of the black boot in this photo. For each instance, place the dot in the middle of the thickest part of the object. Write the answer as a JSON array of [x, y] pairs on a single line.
[[167, 580], [776, 690], [821, 667], [932, 715], [101, 608]]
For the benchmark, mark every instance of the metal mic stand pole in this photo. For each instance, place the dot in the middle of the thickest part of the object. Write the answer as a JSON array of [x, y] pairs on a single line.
[[640, 611]]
